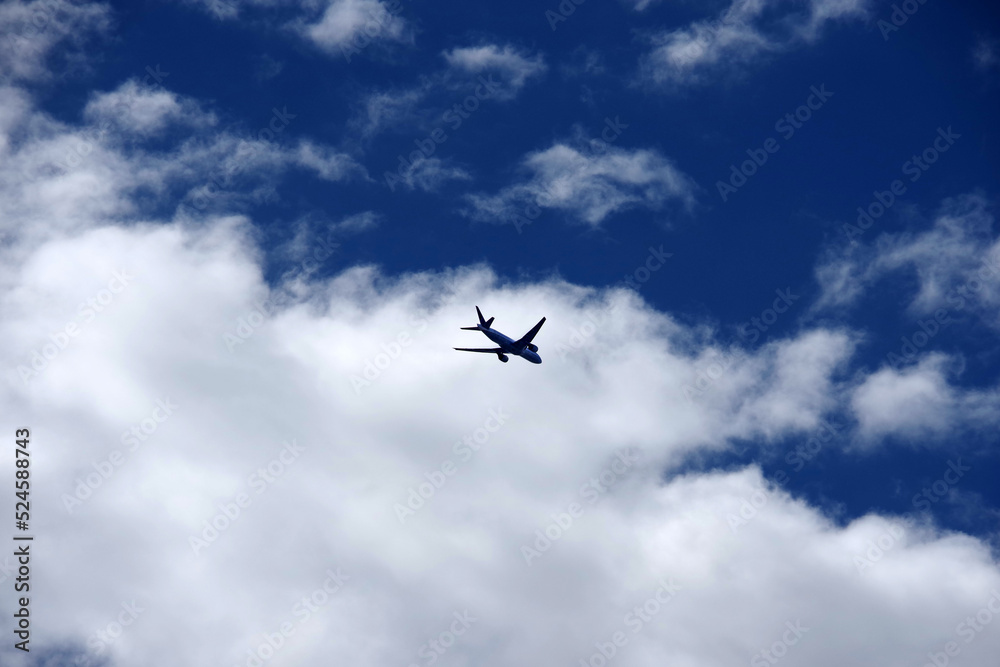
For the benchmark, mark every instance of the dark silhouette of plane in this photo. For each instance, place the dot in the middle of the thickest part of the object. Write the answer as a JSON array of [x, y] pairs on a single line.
[[523, 347]]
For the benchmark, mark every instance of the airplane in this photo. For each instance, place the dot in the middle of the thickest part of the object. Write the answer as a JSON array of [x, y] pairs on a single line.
[[523, 347]]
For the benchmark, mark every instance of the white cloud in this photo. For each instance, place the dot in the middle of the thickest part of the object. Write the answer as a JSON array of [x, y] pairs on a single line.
[[486, 72], [427, 174], [328, 163], [742, 34], [588, 185], [388, 109], [359, 222], [64, 178], [917, 402], [512, 65], [353, 24], [30, 33], [956, 263], [339, 27], [135, 108], [332, 506]]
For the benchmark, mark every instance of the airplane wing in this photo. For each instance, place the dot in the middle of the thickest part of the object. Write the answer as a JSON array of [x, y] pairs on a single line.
[[527, 338], [491, 350]]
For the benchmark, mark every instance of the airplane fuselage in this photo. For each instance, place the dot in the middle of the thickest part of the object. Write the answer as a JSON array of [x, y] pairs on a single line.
[[509, 346]]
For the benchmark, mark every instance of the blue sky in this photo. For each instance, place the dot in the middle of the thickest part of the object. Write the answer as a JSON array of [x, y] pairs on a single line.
[[675, 185]]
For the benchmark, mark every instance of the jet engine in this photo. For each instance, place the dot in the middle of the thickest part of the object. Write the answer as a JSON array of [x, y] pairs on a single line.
[[503, 357], [532, 347]]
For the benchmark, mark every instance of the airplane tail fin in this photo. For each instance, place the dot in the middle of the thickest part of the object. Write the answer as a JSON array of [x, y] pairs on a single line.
[[484, 323]]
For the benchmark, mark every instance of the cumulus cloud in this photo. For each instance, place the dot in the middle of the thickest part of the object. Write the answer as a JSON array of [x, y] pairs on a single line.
[[956, 263], [587, 185], [277, 433], [918, 402], [144, 110], [743, 33], [349, 25], [63, 177]]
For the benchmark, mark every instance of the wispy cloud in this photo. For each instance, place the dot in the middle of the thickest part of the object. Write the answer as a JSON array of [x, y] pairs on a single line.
[[956, 263], [506, 69], [429, 174], [513, 66], [746, 31], [33, 32]]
